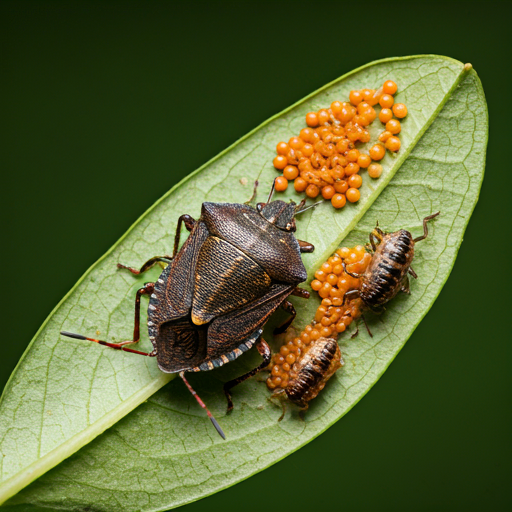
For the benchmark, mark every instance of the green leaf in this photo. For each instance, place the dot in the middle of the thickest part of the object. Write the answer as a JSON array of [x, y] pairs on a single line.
[[165, 453]]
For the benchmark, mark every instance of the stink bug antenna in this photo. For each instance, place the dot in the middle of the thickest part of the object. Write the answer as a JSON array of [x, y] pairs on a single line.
[[201, 403], [308, 208], [272, 190], [117, 346], [300, 205]]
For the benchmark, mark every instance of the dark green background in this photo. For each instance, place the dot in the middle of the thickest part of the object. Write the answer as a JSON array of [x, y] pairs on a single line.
[[105, 106]]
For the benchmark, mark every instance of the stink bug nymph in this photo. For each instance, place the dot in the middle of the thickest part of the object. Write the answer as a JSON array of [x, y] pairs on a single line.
[[310, 373], [388, 271], [211, 302]]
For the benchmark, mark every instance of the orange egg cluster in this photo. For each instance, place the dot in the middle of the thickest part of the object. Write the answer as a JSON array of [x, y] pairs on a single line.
[[332, 316], [324, 159]]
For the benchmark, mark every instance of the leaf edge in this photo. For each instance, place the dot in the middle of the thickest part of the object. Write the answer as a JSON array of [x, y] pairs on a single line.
[[20, 480]]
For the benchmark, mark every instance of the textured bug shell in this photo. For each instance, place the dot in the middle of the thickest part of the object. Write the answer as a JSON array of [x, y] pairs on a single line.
[[388, 268], [210, 304], [235, 281], [310, 373], [277, 251]]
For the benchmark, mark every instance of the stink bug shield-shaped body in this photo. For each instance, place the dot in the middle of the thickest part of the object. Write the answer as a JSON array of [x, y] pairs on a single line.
[[211, 302], [237, 266]]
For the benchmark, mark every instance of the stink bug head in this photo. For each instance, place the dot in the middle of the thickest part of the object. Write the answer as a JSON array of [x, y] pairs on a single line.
[[279, 213]]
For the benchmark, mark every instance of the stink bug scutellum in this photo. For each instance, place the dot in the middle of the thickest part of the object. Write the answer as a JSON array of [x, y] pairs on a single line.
[[210, 303]]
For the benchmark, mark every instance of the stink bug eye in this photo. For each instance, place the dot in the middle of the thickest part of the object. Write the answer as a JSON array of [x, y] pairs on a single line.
[[280, 214]]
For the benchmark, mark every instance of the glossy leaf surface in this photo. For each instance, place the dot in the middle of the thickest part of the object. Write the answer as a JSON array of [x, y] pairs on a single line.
[[55, 402]]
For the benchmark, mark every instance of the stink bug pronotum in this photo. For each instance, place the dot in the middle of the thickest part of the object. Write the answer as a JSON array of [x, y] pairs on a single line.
[[210, 303]]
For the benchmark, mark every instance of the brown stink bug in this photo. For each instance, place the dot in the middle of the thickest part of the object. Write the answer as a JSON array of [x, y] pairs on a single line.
[[210, 303]]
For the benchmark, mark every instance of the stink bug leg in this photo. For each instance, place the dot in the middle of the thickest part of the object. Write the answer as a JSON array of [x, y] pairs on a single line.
[[288, 307], [299, 292], [425, 227], [147, 290], [351, 274], [306, 246], [352, 294], [357, 329], [406, 286], [376, 234], [150, 263], [280, 394], [265, 352], [189, 224], [253, 197]]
